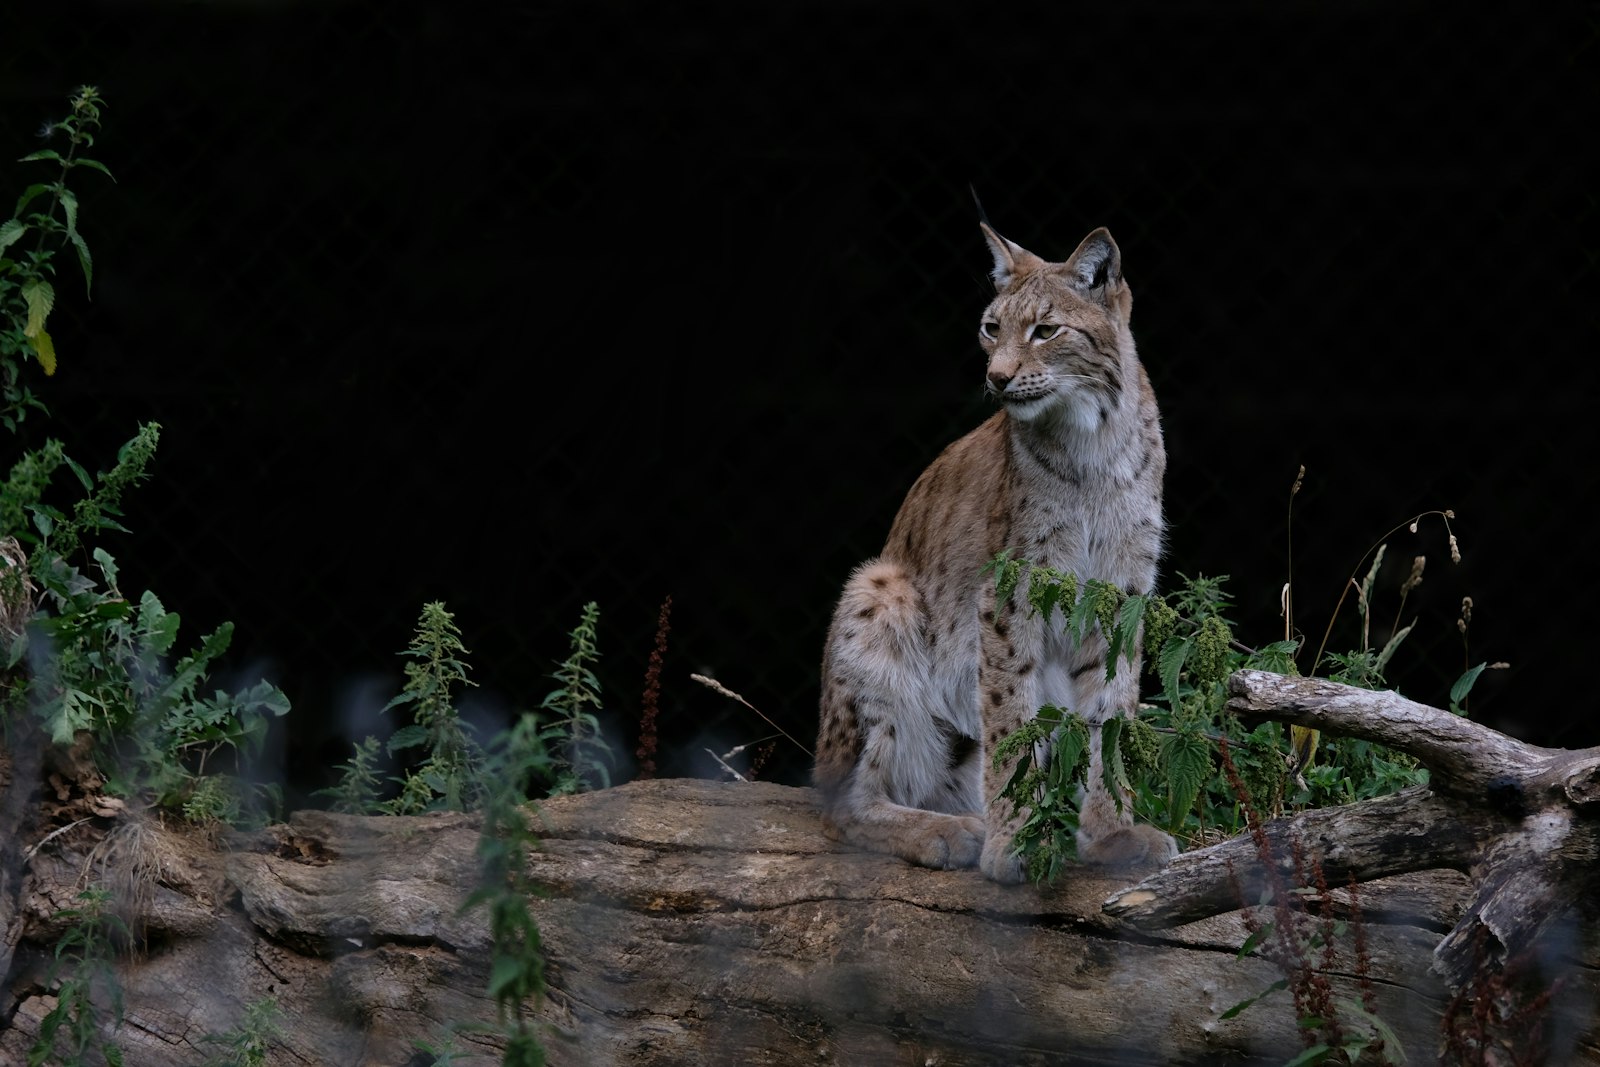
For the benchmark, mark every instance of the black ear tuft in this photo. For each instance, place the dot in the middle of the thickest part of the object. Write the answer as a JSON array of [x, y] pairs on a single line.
[[982, 217]]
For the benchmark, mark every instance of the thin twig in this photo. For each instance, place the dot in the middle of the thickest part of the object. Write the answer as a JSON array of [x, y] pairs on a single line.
[[53, 834], [737, 776], [712, 683]]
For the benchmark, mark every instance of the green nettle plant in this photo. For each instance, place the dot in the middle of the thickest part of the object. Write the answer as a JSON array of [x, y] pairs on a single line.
[[450, 773], [247, 1044], [94, 659], [1167, 754], [517, 763], [574, 735], [360, 785], [88, 996]]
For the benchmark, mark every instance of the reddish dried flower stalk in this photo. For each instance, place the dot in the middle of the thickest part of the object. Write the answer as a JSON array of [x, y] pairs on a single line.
[[652, 693]]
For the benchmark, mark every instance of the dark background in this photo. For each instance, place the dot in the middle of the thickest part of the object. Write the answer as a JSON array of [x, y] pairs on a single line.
[[517, 308]]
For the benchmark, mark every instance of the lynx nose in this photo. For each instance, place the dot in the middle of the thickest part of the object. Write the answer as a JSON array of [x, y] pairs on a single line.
[[999, 379]]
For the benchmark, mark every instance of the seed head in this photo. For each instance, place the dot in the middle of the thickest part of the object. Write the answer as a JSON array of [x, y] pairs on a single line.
[[1415, 578]]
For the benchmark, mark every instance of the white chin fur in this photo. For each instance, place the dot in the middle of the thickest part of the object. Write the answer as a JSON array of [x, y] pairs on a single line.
[[1028, 410], [1075, 409]]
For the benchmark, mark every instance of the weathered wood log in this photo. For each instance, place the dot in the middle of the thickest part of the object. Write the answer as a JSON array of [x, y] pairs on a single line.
[[1522, 821], [705, 923]]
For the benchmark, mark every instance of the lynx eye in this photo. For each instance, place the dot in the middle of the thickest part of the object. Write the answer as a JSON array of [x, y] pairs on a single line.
[[1045, 330], [991, 330]]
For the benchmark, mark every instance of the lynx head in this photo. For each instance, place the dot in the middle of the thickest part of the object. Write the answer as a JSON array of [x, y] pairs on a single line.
[[1057, 334]]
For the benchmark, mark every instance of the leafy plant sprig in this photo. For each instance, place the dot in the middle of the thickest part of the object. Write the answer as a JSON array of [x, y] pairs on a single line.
[[359, 785], [518, 760], [573, 736], [88, 988], [27, 295], [1166, 754], [449, 773], [247, 1044]]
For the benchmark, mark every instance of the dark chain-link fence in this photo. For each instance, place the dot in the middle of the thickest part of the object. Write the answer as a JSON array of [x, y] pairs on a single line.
[[516, 310]]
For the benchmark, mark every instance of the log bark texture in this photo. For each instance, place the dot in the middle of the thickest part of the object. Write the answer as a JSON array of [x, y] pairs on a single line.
[[694, 922]]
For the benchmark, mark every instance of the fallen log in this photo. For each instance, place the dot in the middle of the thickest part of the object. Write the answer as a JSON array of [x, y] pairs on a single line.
[[697, 922]]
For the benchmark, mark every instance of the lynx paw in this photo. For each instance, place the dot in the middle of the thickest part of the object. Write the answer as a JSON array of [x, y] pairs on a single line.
[[1000, 861], [1135, 845], [957, 842]]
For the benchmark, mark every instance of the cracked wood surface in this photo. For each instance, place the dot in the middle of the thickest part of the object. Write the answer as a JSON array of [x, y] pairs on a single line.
[[694, 922]]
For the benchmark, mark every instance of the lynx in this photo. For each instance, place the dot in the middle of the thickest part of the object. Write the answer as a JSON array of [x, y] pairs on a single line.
[[923, 672]]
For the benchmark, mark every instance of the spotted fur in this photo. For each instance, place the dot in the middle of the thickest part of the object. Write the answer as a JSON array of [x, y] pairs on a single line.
[[923, 672]]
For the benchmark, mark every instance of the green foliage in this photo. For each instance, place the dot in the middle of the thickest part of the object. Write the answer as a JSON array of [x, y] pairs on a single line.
[[88, 995], [517, 762], [1047, 789], [24, 487], [448, 776], [574, 734], [247, 1044], [1166, 755], [90, 658], [442, 1050], [359, 784], [100, 659], [43, 223]]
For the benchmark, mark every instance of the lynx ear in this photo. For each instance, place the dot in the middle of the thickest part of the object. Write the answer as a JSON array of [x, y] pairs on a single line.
[[1096, 264], [1010, 259]]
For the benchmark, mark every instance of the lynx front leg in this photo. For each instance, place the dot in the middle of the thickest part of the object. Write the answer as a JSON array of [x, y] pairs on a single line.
[[1008, 669], [1107, 834]]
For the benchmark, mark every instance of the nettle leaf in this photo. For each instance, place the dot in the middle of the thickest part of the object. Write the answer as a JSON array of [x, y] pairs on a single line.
[[44, 348], [1277, 657], [85, 261], [1173, 655], [85, 479], [11, 230], [1125, 635], [412, 736], [27, 197], [1083, 612], [1114, 769], [43, 153], [69, 207], [1187, 758], [40, 296], [94, 164], [1071, 742]]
